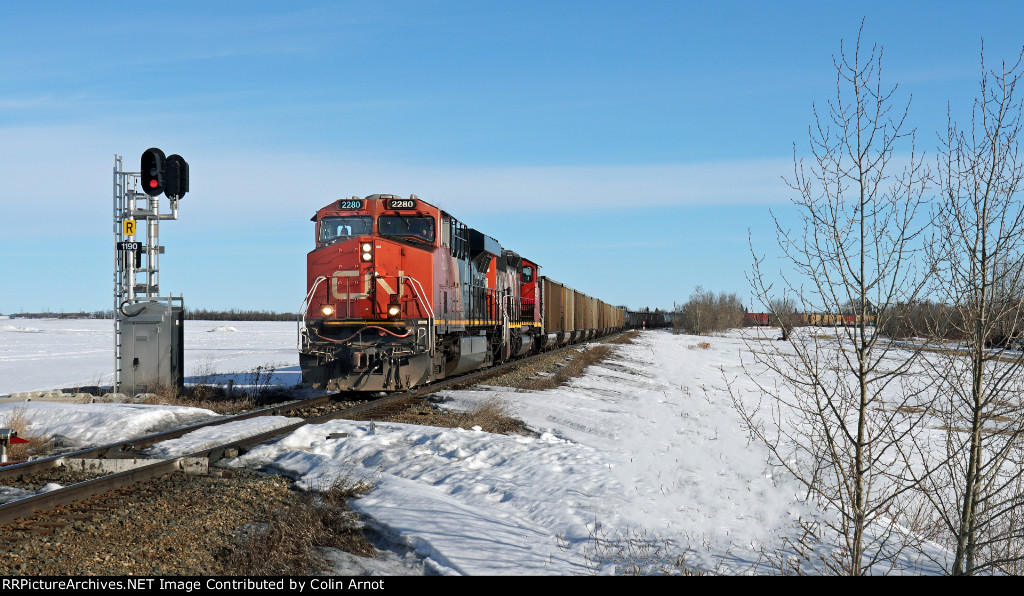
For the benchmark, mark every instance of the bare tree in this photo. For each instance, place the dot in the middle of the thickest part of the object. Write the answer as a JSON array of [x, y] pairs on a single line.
[[706, 313], [783, 314], [837, 420], [915, 320], [978, 489]]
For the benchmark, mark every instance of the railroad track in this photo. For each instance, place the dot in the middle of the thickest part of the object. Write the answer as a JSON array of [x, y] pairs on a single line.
[[130, 449]]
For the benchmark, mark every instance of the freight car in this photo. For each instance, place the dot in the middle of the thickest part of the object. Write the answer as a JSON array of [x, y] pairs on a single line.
[[837, 320], [648, 320], [811, 319], [762, 319], [400, 293]]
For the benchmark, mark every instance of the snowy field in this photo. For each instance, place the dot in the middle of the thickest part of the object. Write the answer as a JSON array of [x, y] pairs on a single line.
[[40, 354], [643, 461]]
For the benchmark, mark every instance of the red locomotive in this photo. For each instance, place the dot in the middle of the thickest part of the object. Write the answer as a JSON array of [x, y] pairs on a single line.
[[400, 293]]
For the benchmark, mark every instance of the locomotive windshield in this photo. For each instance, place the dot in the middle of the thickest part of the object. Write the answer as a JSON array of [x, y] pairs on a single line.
[[334, 228], [409, 227]]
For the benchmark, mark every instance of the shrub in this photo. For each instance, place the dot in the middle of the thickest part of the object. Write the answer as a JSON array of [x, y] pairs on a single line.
[[921, 319], [706, 313], [784, 316]]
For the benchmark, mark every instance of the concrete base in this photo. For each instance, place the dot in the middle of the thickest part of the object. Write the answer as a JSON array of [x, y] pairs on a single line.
[[189, 465], [53, 396], [74, 398]]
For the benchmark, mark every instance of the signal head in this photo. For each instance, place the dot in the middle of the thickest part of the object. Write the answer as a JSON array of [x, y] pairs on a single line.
[[153, 171], [175, 176]]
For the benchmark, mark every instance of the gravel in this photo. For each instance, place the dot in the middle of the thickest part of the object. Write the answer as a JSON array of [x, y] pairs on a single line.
[[178, 525]]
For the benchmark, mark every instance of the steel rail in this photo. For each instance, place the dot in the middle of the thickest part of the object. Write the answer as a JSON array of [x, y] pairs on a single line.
[[124, 449], [82, 490]]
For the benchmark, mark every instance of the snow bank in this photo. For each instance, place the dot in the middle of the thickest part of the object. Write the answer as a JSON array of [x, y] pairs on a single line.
[[83, 425]]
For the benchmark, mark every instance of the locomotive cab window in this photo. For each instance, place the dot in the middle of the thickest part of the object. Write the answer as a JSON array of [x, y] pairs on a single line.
[[340, 228], [407, 227], [527, 274]]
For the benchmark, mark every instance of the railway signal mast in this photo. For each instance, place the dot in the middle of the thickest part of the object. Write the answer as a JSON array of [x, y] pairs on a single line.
[[149, 345]]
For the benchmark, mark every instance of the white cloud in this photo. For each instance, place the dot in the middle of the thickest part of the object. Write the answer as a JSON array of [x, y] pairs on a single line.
[[65, 174], [282, 183]]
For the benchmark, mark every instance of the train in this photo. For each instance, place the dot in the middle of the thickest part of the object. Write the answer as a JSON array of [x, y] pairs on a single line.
[[811, 319], [400, 293], [648, 320]]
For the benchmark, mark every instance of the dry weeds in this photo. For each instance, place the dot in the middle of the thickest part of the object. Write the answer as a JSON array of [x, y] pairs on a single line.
[[287, 544], [624, 338], [912, 409], [636, 553], [574, 368], [254, 392], [495, 415], [201, 396], [17, 420]]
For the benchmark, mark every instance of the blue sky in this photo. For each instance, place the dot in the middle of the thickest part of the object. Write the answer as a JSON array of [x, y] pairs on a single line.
[[631, 148]]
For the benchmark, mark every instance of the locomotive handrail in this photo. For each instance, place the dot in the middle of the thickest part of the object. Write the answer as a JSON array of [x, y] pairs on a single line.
[[506, 322], [305, 307], [417, 289]]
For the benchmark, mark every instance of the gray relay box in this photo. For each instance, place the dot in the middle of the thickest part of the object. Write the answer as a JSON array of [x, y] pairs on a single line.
[[152, 346]]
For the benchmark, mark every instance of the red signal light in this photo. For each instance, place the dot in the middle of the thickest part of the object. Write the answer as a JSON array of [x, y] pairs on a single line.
[[153, 171], [162, 174]]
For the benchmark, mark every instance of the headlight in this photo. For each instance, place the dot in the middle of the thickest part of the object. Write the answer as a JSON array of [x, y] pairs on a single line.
[[328, 310], [367, 254], [367, 246], [394, 310]]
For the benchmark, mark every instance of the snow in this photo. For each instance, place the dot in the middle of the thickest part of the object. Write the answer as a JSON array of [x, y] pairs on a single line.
[[40, 354], [211, 436], [641, 462]]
